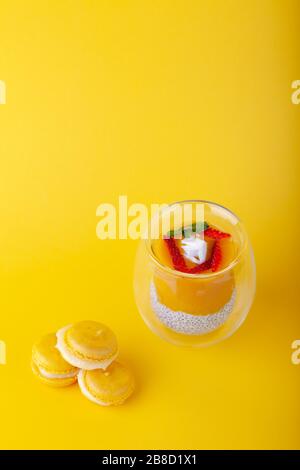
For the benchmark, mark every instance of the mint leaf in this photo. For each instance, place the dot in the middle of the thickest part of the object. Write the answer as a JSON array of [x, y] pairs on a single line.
[[196, 227]]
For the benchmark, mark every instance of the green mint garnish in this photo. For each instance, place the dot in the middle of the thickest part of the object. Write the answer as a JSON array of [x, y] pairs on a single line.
[[196, 227]]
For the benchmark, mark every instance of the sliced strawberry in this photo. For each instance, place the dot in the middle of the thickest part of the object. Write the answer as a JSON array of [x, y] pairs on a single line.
[[200, 267], [216, 258], [179, 261], [215, 234], [176, 256], [213, 263]]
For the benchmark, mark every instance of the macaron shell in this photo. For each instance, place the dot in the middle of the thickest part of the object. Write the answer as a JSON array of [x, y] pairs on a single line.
[[57, 383], [46, 355], [91, 340], [85, 392], [77, 360], [110, 387]]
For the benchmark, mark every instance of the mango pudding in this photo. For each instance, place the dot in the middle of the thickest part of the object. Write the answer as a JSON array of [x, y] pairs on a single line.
[[200, 295]]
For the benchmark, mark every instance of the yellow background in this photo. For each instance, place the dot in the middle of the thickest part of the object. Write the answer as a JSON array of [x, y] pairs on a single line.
[[160, 101]]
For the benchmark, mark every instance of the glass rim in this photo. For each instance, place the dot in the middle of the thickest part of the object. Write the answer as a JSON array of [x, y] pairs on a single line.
[[230, 266]]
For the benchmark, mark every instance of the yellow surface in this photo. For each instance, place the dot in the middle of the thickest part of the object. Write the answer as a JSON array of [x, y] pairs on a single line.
[[160, 101]]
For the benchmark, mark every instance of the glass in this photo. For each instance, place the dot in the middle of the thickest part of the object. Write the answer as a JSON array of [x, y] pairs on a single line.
[[196, 309]]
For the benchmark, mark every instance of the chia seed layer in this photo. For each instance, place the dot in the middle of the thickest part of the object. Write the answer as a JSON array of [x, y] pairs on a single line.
[[188, 324]]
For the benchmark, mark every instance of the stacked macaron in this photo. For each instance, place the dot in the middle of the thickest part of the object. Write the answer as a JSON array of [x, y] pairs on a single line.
[[48, 364], [85, 351]]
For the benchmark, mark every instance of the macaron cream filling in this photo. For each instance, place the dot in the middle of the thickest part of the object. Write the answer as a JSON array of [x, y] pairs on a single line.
[[48, 375]]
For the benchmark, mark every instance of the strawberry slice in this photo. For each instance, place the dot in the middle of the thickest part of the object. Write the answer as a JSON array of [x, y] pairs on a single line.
[[216, 258], [215, 234], [179, 261], [200, 267], [176, 256], [213, 263]]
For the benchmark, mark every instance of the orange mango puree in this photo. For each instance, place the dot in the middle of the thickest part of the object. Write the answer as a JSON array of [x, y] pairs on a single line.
[[197, 295]]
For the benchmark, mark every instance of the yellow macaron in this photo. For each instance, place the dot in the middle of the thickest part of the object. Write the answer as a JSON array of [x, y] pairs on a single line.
[[107, 387], [48, 364], [88, 345]]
